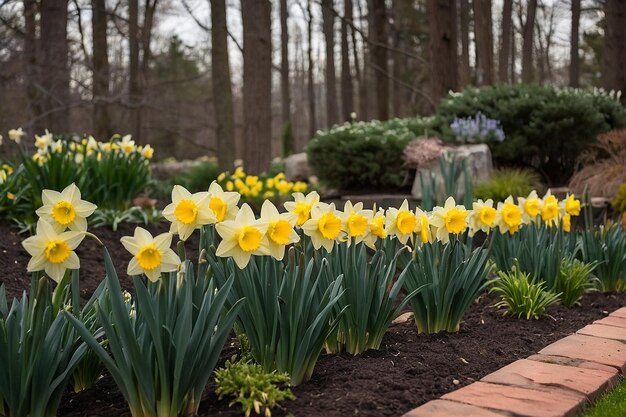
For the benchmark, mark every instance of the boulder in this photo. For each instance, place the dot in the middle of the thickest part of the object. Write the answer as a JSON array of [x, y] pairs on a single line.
[[297, 167], [480, 166]]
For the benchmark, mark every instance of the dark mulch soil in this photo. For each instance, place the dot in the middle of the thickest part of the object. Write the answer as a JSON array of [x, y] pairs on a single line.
[[408, 370]]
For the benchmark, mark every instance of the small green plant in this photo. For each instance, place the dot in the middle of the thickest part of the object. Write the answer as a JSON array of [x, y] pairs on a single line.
[[607, 246], [506, 182], [251, 386], [573, 280], [197, 178], [453, 276], [520, 295], [619, 202]]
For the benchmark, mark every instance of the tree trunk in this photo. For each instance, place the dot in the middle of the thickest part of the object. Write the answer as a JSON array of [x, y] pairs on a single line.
[[134, 87], [100, 124], [31, 66], [505, 41], [443, 45], [614, 55], [222, 90], [56, 78], [328, 24], [287, 135], [574, 73], [465, 75], [310, 81], [484, 42], [257, 84], [379, 58], [527, 46], [363, 113], [347, 103]]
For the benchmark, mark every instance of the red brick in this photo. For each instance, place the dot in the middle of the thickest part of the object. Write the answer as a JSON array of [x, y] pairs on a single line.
[[614, 321], [441, 408], [540, 375], [619, 313], [604, 351], [577, 363], [605, 332], [519, 401]]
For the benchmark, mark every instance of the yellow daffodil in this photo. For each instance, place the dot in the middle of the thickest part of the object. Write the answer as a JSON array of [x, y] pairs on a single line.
[[188, 212], [151, 255], [422, 227], [223, 203], [284, 187], [299, 187], [324, 226], [508, 216], [239, 173], [401, 222], [571, 205], [482, 217], [530, 206], [567, 222], [449, 219], [376, 229], [300, 208], [16, 135], [51, 251], [65, 209], [147, 152], [356, 221], [280, 229], [550, 210], [230, 186], [243, 237]]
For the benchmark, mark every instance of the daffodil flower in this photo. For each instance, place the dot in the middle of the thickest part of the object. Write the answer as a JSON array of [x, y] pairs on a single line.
[[570, 206], [127, 145], [152, 256], [508, 216], [280, 229], [482, 217], [147, 152], [188, 212], [566, 220], [376, 229], [401, 222], [52, 251], [223, 203], [422, 227], [65, 209], [449, 219], [355, 221], [324, 226], [300, 208], [550, 210], [242, 237], [16, 135]]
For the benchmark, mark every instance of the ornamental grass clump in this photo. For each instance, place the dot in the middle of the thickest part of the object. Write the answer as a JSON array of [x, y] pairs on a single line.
[[521, 295], [607, 246], [574, 280]]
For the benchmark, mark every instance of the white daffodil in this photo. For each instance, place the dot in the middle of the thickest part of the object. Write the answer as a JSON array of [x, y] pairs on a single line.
[[355, 221], [280, 229], [51, 251], [44, 141], [188, 212], [16, 135], [482, 217], [223, 203], [449, 219], [300, 208], [401, 222], [508, 216], [65, 209], [324, 226], [376, 229], [127, 145], [242, 237], [147, 152], [151, 255]]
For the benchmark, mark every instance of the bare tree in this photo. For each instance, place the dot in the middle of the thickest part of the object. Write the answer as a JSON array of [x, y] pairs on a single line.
[[527, 47], [328, 25], [287, 135], [310, 81], [30, 59], [222, 90], [55, 55], [379, 57], [443, 42], [484, 42], [134, 87], [614, 54], [464, 21], [505, 41], [364, 94], [257, 83], [574, 64], [347, 103], [100, 123]]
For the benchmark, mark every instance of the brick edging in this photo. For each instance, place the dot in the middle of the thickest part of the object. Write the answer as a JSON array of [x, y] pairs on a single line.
[[559, 381]]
